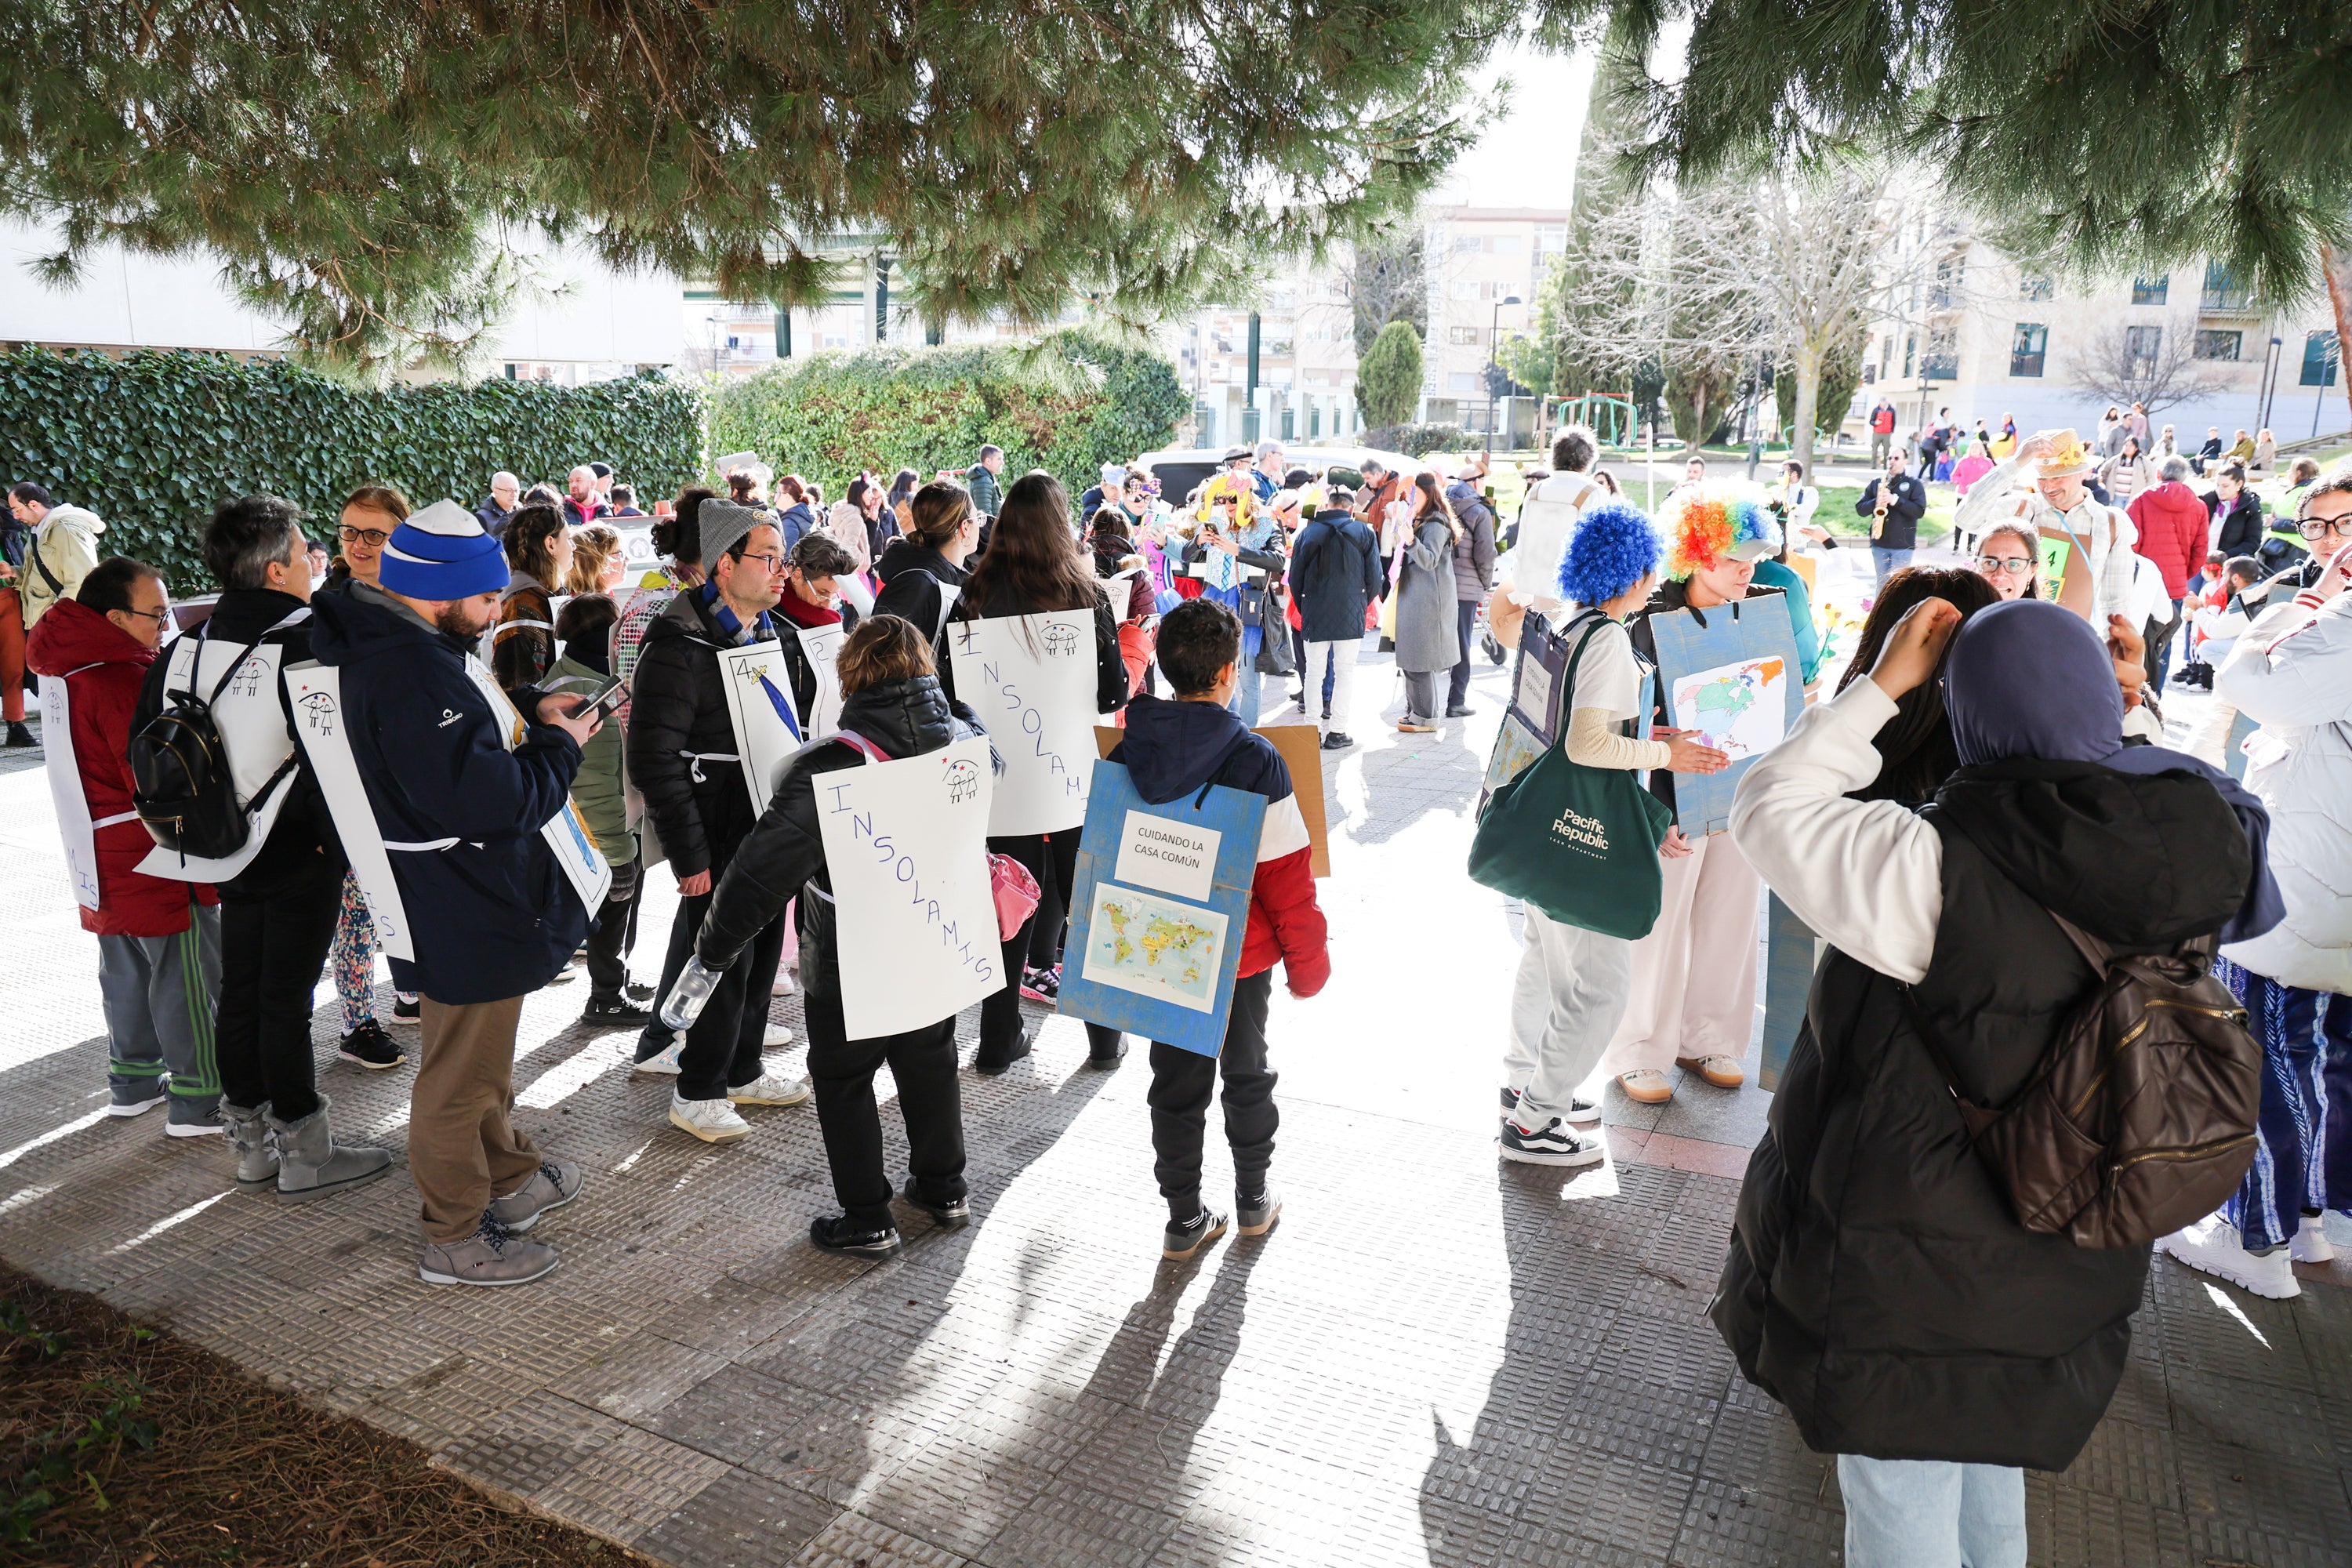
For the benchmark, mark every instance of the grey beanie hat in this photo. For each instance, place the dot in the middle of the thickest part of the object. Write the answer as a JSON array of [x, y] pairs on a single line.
[[723, 524]]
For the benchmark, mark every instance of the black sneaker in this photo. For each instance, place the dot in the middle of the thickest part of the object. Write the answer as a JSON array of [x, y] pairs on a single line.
[[1255, 1216], [615, 1010], [371, 1048], [839, 1233], [406, 1009], [20, 738], [1336, 741], [990, 1064], [948, 1216], [1181, 1240], [1460, 710], [1553, 1145], [1580, 1110], [641, 994], [1298, 701]]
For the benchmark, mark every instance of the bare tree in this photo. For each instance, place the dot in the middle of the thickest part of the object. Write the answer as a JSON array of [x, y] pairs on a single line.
[[2155, 366]]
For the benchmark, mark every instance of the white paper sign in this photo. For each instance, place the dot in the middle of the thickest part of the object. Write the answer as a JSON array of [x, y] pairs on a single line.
[[566, 832], [65, 791], [317, 694], [252, 726], [1742, 708], [906, 845], [768, 728], [822, 647], [1161, 852], [1170, 952], [1031, 678]]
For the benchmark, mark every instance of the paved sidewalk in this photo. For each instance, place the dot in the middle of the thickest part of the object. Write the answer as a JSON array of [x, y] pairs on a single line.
[[1436, 1359]]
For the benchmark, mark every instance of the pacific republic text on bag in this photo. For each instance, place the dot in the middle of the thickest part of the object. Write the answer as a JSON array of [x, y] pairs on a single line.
[[1730, 674], [1159, 910]]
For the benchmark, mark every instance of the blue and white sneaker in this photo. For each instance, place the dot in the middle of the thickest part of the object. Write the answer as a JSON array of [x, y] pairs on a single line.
[[1553, 1145], [664, 1060]]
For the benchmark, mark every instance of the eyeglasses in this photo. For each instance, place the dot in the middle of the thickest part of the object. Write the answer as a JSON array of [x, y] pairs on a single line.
[[158, 617], [2014, 566], [372, 538], [2318, 528], [774, 564]]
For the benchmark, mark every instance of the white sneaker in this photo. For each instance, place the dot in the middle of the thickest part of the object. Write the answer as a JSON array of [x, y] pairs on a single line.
[[777, 1037], [770, 1088], [665, 1060], [2310, 1243], [784, 986], [712, 1120], [2213, 1247]]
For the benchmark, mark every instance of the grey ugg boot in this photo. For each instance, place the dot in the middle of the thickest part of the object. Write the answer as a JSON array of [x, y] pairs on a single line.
[[249, 1134], [310, 1164]]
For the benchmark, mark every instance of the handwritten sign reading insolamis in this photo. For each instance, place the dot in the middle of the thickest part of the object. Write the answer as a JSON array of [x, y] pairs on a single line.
[[1031, 678]]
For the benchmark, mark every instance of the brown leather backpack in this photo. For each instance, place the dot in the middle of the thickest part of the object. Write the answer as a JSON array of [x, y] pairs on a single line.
[[2139, 1120]]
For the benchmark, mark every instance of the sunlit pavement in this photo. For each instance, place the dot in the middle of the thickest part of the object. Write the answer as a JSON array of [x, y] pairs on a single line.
[[1435, 1358]]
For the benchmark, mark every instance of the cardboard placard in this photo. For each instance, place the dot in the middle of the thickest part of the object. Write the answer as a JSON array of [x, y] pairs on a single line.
[[760, 708], [1031, 678], [1159, 910], [1301, 746], [1749, 645], [75, 828], [905, 845]]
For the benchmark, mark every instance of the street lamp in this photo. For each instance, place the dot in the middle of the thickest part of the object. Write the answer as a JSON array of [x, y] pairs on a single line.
[[1494, 342]]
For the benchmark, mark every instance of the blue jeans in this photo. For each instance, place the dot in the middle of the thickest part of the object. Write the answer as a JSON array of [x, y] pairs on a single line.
[[1246, 688], [2303, 1157], [1884, 563], [1932, 1513]]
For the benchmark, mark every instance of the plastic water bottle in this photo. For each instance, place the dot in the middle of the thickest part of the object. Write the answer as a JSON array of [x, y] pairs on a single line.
[[687, 999]]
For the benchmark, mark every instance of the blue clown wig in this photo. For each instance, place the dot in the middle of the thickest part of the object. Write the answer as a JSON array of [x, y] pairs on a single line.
[[1615, 546]]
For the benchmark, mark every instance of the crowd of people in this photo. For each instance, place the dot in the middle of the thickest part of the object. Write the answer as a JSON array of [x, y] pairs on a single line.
[[501, 682]]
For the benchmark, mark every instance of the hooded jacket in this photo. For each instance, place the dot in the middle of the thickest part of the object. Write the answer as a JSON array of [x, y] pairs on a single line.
[[2292, 672], [912, 574], [63, 550], [103, 667], [1335, 576], [493, 915], [783, 855], [793, 522], [1876, 1281], [1173, 749], [2172, 523], [700, 810], [1473, 552]]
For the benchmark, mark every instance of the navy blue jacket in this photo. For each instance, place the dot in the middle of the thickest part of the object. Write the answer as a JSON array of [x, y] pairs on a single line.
[[493, 915], [1335, 576]]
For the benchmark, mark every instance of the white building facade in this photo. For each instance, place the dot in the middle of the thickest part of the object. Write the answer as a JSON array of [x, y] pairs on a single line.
[[1305, 389], [1482, 267]]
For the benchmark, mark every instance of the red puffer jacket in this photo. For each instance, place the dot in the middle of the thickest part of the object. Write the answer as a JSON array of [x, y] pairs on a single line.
[[2172, 523], [103, 667]]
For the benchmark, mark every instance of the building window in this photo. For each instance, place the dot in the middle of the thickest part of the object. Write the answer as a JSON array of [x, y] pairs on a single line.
[[2148, 290], [1910, 352], [2319, 359], [1952, 278], [1551, 237], [2141, 345], [1463, 289], [2219, 345], [2027, 347], [1462, 380], [1943, 358], [1466, 336], [2223, 291], [1468, 244], [1507, 245], [2035, 286]]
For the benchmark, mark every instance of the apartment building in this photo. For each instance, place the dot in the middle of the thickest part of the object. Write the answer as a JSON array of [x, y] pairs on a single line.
[[1305, 388], [1481, 266], [1987, 337]]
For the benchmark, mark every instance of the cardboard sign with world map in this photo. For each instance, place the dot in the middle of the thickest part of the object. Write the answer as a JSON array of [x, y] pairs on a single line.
[[1158, 910], [1731, 674]]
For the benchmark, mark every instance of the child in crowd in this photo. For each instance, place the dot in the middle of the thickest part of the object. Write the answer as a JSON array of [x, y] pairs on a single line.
[[1173, 748]]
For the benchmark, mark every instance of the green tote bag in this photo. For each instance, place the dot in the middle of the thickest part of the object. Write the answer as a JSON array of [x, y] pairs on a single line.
[[1580, 844]]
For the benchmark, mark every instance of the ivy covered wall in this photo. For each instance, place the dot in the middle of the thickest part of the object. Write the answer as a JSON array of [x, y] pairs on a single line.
[[152, 442]]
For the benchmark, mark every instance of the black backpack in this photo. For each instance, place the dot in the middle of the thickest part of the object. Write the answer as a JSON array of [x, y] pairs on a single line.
[[181, 782]]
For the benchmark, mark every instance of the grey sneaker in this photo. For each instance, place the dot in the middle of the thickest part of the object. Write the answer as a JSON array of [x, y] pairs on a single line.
[[1181, 1240], [553, 1185], [1255, 1217], [491, 1256], [256, 1145], [310, 1163]]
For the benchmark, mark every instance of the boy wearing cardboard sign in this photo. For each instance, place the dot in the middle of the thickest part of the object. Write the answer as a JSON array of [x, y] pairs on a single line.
[[1171, 863]]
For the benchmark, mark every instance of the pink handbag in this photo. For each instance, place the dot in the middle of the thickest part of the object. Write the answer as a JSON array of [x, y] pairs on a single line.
[[1010, 886]]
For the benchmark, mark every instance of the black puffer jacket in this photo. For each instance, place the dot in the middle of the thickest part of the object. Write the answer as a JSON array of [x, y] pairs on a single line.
[[784, 855], [1876, 1283], [676, 706], [912, 574]]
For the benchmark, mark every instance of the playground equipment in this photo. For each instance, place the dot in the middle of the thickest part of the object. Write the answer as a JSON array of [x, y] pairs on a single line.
[[1611, 416]]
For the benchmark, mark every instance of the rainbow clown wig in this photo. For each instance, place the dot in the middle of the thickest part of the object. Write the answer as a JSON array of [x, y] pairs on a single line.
[[1615, 546], [1709, 524]]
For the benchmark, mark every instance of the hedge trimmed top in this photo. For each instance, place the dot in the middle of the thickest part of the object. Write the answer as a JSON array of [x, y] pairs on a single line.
[[153, 442]]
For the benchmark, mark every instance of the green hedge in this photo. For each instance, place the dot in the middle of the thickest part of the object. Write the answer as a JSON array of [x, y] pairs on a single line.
[[152, 442], [1070, 404]]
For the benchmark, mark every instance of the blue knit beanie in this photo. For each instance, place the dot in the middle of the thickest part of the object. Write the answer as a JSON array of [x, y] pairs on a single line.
[[443, 553], [1615, 546]]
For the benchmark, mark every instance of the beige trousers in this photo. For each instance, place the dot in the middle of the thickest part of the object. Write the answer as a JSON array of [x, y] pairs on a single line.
[[463, 1146], [1694, 974]]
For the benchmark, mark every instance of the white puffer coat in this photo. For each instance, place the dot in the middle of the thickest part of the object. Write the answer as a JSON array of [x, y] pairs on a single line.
[[2292, 673]]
